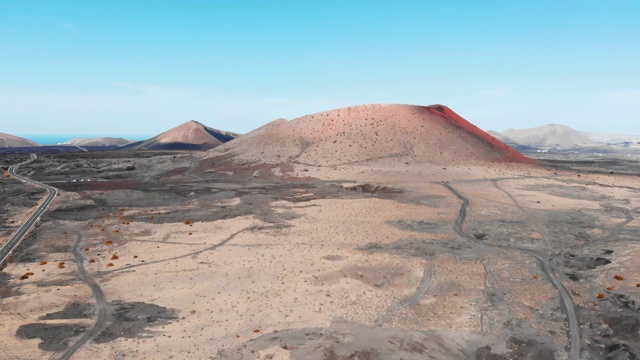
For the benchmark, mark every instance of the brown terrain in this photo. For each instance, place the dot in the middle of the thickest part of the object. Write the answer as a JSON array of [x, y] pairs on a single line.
[[191, 135], [431, 134], [7, 140], [99, 141], [371, 232]]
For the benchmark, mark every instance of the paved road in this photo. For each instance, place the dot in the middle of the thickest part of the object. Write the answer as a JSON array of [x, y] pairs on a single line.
[[15, 240]]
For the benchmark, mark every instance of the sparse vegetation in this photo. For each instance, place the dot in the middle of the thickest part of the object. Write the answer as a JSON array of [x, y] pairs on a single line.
[[618, 277]]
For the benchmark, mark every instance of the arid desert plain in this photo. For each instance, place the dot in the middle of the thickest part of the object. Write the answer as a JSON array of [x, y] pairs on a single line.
[[370, 232]]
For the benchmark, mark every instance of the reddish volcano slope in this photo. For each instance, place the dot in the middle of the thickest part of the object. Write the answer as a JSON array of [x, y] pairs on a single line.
[[430, 134], [7, 140]]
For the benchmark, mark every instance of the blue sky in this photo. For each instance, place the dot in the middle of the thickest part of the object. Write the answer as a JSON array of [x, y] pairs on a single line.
[[137, 68]]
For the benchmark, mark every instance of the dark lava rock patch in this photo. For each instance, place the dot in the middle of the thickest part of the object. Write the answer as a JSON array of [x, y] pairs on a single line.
[[419, 226], [346, 340], [524, 349], [581, 263], [133, 319], [54, 337], [74, 310], [423, 248], [127, 319], [374, 189], [6, 291]]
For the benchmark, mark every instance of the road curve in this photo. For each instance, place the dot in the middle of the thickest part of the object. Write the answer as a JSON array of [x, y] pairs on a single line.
[[102, 310], [568, 305], [19, 235], [412, 300]]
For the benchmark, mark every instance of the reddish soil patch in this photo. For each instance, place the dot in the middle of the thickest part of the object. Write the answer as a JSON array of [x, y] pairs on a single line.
[[448, 114], [359, 134]]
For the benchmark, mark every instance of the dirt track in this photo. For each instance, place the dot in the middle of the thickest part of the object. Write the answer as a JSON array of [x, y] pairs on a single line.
[[376, 260], [100, 299], [567, 302]]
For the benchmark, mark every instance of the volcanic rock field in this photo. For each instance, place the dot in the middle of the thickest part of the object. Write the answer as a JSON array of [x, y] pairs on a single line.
[[370, 232]]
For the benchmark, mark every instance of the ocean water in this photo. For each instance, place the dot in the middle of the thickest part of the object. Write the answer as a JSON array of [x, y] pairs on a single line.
[[50, 139]]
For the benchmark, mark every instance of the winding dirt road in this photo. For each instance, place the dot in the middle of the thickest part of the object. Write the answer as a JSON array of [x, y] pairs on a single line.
[[412, 300], [568, 305], [102, 310]]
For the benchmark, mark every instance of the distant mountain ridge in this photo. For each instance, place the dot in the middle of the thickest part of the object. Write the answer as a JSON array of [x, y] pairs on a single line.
[[550, 137], [191, 135], [607, 138], [99, 141], [9, 141], [561, 138]]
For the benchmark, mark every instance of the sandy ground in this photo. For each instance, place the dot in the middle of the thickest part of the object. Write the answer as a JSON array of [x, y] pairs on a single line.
[[237, 266]]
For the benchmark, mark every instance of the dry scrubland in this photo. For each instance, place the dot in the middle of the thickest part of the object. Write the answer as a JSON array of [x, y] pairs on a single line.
[[219, 255]]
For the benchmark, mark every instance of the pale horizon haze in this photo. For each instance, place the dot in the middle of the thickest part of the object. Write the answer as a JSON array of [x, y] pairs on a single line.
[[138, 68]]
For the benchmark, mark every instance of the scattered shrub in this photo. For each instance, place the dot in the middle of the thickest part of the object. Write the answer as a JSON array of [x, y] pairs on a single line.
[[115, 257], [92, 261], [187, 222], [43, 262], [108, 242], [61, 265], [256, 330], [535, 276], [618, 277], [86, 249], [24, 277], [611, 288], [109, 264], [135, 256], [601, 296], [190, 233], [29, 273]]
